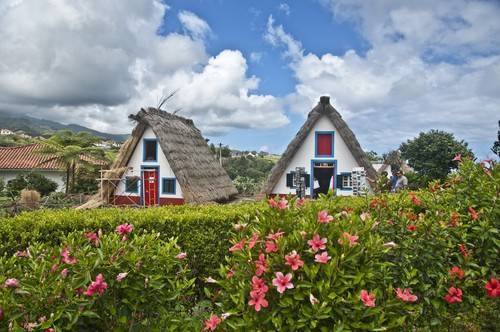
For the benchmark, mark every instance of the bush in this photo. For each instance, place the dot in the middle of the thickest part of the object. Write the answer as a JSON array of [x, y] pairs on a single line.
[[202, 231], [423, 243], [34, 181], [143, 286]]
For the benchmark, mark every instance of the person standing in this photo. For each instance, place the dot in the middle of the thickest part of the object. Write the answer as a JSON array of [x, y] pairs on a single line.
[[394, 179], [402, 181]]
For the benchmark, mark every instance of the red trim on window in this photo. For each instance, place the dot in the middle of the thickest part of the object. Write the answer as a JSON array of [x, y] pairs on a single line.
[[324, 145]]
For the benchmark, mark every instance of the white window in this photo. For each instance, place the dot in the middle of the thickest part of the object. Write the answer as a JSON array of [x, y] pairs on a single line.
[[346, 181]]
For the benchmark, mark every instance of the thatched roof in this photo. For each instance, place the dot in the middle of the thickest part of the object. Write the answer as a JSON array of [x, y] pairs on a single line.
[[324, 108], [201, 177]]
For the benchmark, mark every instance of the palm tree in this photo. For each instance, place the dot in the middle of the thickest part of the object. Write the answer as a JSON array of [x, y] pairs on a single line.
[[72, 151]]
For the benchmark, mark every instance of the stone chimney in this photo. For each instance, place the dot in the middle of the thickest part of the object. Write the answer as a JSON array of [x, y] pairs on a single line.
[[324, 100]]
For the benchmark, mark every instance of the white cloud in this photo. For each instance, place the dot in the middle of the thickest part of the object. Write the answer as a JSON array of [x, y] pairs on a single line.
[[94, 62], [256, 57], [195, 25], [431, 65], [285, 8]]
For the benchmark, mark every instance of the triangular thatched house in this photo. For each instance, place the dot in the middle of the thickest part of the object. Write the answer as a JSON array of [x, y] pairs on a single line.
[[165, 161], [329, 155]]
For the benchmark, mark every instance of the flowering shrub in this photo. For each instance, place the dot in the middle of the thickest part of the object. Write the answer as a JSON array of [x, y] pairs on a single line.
[[410, 260], [98, 282]]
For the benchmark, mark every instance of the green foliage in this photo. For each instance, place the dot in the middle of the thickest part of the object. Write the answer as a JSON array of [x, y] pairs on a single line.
[[33, 181], [373, 156], [14, 140], [431, 153], [2, 184], [51, 292], [388, 255], [248, 172], [202, 231]]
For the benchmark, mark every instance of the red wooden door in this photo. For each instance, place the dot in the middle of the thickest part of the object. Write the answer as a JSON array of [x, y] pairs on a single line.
[[150, 181]]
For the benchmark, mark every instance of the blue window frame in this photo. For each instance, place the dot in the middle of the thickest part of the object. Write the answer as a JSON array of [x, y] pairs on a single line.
[[132, 184], [168, 186], [150, 150], [345, 181], [332, 134]]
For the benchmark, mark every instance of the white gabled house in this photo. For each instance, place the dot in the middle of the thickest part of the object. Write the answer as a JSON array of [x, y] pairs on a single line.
[[165, 161], [329, 154]]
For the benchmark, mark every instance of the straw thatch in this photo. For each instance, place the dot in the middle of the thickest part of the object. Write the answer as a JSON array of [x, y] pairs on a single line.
[[201, 177], [324, 108]]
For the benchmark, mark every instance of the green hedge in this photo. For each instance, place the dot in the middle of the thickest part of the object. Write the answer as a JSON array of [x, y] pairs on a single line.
[[202, 231]]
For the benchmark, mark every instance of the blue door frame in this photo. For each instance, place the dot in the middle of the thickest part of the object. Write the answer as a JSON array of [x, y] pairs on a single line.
[[335, 168]]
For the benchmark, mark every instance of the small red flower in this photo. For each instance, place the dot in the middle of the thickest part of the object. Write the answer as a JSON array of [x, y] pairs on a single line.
[[229, 274], [351, 238], [181, 256], [293, 260], [367, 298], [463, 250], [493, 288], [66, 257], [11, 283], [473, 213], [411, 227], [258, 301], [259, 285], [454, 295], [458, 157], [415, 199], [457, 272], [275, 236], [454, 219], [212, 323]]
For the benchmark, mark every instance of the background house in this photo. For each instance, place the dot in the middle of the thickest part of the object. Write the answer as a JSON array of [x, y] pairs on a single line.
[[328, 152]]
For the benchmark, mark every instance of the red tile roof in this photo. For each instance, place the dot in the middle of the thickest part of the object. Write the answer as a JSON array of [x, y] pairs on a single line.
[[29, 157]]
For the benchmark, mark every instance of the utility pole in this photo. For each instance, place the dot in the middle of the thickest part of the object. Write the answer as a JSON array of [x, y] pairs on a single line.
[[220, 153]]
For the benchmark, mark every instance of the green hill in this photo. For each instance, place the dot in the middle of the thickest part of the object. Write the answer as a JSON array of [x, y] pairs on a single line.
[[37, 127]]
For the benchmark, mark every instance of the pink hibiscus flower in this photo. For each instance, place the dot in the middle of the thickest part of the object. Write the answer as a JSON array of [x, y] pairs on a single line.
[[317, 243], [454, 295], [283, 282], [258, 301], [493, 288], [324, 217], [322, 258], [66, 257], [253, 241], [121, 276], [457, 272], [92, 237], [406, 295], [238, 246], [473, 213], [300, 202], [351, 238], [181, 256], [458, 157], [12, 283], [275, 236], [124, 229], [259, 285], [367, 298], [282, 204], [212, 323], [261, 265], [271, 247], [293, 260], [98, 286], [64, 273]]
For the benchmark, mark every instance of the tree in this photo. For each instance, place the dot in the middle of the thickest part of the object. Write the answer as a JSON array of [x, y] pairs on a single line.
[[430, 154], [73, 151], [496, 145], [373, 156], [33, 181], [2, 184]]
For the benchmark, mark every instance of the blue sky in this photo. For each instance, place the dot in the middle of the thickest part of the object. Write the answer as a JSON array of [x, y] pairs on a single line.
[[248, 72]]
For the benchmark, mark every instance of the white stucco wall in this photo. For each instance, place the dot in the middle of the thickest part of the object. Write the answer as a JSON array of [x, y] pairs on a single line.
[[56, 176], [305, 154], [136, 161]]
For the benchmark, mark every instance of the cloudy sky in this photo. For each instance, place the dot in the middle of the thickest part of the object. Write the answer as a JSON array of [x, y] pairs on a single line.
[[248, 72]]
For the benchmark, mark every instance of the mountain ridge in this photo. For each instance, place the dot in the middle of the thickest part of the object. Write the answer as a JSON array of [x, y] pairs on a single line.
[[37, 127]]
